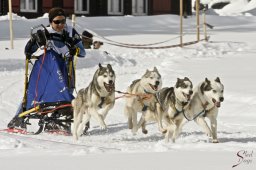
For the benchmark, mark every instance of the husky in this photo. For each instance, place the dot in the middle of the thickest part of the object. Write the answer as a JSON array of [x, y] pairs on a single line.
[[205, 102], [170, 105], [95, 100], [142, 97]]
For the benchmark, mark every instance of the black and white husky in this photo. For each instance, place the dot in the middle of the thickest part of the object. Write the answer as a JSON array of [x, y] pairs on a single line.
[[95, 100], [170, 106], [142, 97], [206, 102]]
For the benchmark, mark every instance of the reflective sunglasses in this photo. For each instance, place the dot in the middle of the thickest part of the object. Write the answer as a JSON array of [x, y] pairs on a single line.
[[63, 21]]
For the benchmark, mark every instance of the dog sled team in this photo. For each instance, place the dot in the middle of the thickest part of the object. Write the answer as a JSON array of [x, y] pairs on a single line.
[[171, 107], [53, 73]]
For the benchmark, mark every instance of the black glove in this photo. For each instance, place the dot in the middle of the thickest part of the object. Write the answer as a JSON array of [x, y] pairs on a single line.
[[28, 48], [72, 51], [40, 37]]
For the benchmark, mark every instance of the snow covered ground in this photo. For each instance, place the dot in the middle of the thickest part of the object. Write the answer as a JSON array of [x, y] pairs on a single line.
[[230, 54]]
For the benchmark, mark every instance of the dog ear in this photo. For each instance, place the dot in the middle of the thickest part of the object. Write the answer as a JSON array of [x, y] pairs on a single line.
[[207, 81], [217, 80], [155, 69], [186, 79], [177, 83], [146, 74], [206, 86], [202, 87], [100, 66], [109, 67]]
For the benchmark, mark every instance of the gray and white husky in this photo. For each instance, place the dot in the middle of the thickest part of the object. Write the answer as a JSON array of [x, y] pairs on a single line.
[[142, 97], [95, 100], [206, 102], [170, 106]]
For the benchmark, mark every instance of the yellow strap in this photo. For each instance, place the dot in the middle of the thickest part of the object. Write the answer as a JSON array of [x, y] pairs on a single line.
[[25, 82], [75, 59], [29, 111]]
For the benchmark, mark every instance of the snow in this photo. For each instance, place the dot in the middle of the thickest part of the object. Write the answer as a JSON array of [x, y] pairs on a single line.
[[230, 54]]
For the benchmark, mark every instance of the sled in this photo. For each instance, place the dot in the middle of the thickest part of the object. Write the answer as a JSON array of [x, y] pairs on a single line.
[[48, 88]]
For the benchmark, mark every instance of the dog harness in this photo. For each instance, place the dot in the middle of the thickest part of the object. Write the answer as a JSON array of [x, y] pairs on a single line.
[[102, 100]]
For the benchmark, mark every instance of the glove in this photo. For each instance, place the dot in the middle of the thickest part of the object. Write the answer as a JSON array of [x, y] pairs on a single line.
[[41, 38], [28, 48], [72, 51]]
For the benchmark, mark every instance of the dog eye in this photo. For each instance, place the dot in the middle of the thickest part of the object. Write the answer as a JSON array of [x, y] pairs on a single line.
[[214, 91], [105, 76], [222, 91], [183, 86]]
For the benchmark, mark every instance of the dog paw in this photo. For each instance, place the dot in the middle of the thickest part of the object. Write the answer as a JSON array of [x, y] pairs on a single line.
[[166, 140], [163, 131], [145, 131], [215, 141], [130, 125], [75, 137], [134, 131], [103, 127], [209, 134]]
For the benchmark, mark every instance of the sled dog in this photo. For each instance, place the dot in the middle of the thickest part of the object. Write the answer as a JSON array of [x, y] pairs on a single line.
[[206, 102], [95, 100], [170, 105], [142, 98]]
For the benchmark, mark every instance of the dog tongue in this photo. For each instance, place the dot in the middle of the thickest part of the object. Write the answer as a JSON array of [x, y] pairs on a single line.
[[155, 87], [217, 104], [109, 87]]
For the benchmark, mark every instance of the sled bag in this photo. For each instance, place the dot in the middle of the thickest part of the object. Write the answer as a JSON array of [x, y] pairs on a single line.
[[48, 81]]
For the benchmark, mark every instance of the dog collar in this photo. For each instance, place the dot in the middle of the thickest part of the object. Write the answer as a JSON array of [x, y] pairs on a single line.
[[147, 92]]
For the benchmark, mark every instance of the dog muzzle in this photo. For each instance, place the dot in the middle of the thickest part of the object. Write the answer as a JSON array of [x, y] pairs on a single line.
[[154, 87], [216, 103], [109, 87]]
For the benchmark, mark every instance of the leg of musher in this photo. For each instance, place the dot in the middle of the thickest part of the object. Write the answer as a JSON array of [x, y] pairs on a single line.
[[17, 122]]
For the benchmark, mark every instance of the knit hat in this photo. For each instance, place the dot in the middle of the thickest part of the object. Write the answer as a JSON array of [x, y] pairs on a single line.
[[54, 12], [87, 34]]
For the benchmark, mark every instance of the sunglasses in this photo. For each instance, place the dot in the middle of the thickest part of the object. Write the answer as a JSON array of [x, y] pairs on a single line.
[[63, 21]]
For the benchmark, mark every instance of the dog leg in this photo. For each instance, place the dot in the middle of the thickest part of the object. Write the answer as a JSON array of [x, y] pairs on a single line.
[[142, 124], [213, 121], [177, 130], [128, 111], [85, 119], [105, 110], [78, 115], [159, 118], [134, 123], [169, 133], [78, 111], [77, 124], [98, 117], [202, 123]]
